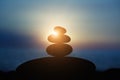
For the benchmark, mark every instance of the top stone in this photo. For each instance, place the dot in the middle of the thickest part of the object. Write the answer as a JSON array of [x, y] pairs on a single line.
[[60, 30]]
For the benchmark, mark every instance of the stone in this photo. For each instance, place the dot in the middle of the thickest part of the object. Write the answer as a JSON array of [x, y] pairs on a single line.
[[53, 68], [60, 30], [59, 39], [59, 50]]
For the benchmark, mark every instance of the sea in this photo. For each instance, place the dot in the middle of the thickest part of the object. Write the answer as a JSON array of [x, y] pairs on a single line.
[[11, 58]]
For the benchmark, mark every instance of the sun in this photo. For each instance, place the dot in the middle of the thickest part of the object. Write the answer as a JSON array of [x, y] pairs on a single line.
[[55, 33]]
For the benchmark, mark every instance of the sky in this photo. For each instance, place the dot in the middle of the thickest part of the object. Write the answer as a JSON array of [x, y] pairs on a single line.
[[28, 23], [86, 20]]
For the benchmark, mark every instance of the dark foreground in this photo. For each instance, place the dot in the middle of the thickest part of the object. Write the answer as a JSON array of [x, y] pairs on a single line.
[[66, 68]]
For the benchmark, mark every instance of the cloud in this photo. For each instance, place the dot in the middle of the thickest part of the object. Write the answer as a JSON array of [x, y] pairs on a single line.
[[16, 39]]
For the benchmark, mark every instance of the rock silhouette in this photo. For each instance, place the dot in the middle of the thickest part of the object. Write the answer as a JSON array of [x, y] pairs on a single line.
[[58, 67], [53, 68], [60, 30], [61, 39], [59, 49]]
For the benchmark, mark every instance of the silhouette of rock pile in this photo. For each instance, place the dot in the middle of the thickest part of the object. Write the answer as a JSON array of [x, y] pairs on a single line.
[[59, 49], [58, 67]]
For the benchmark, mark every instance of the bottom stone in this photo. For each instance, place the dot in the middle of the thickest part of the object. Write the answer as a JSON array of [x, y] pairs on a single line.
[[52, 68]]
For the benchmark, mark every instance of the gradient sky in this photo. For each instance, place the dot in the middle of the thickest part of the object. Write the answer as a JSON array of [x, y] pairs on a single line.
[[86, 20], [26, 24]]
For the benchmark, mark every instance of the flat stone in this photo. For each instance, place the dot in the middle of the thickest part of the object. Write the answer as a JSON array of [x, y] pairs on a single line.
[[59, 39], [59, 50]]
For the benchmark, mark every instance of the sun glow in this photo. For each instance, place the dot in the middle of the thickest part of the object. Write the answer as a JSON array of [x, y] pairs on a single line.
[[44, 23], [55, 33]]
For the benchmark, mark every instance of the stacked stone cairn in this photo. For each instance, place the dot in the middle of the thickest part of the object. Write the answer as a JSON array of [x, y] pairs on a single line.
[[59, 48]]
